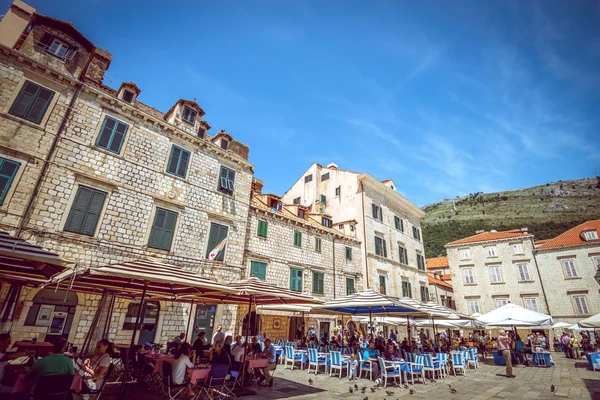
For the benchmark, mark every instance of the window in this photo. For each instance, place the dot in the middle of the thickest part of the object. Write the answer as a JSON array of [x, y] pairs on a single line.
[[217, 234], [348, 253], [338, 190], [112, 135], [85, 211], [590, 235], [351, 228], [523, 270], [58, 48], [406, 289], [531, 303], [324, 177], [501, 302], [570, 270], [326, 222], [262, 228], [226, 180], [163, 229], [298, 238], [317, 285], [201, 132], [150, 311], [399, 223], [178, 161], [296, 279], [318, 243], [258, 270], [596, 259], [416, 233], [296, 200], [491, 251], [189, 115], [581, 306], [323, 198], [350, 286], [127, 96], [8, 172], [468, 277], [380, 246], [496, 274], [474, 307], [465, 254], [224, 144], [424, 294], [517, 249], [32, 102], [301, 213], [403, 255], [382, 288], [420, 262], [341, 227], [377, 214], [308, 178]]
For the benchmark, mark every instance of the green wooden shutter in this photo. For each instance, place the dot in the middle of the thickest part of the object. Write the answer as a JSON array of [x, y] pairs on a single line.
[[8, 171], [409, 290], [405, 256], [118, 137], [262, 228], [156, 232], [217, 234], [85, 211], [384, 248], [298, 238], [382, 288], [258, 270], [169, 230], [317, 244], [174, 160], [183, 163], [39, 106], [348, 253], [349, 286], [374, 210], [402, 225], [296, 279], [31, 102]]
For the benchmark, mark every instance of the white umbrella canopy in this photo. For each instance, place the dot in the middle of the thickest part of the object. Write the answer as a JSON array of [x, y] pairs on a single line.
[[591, 322], [514, 315], [561, 325], [576, 327]]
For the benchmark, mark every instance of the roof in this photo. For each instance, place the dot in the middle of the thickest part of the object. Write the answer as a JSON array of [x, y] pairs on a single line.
[[130, 85], [438, 282], [437, 262], [573, 237], [485, 236], [65, 26], [190, 103]]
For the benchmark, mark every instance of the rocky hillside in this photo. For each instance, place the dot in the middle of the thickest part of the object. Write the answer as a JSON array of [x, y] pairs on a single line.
[[546, 210]]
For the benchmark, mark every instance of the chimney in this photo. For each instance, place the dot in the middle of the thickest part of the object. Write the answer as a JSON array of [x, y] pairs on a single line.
[[256, 187], [15, 23], [332, 166], [524, 230], [478, 232], [98, 63]]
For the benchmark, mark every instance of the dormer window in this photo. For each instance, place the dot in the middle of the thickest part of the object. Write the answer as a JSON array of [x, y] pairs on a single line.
[[590, 235], [326, 222], [224, 144], [201, 132], [128, 96], [58, 48], [301, 213], [189, 115]]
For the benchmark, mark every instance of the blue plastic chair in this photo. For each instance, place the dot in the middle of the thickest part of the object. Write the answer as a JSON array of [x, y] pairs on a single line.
[[336, 362], [458, 362], [430, 366], [292, 357], [443, 360], [388, 371], [316, 361], [416, 368], [365, 366]]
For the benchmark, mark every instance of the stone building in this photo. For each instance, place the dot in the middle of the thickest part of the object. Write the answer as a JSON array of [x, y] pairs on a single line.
[[100, 177], [386, 224], [440, 281], [287, 247], [493, 268], [568, 264]]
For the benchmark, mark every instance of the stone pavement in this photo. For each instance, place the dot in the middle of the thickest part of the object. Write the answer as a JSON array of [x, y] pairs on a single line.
[[571, 379]]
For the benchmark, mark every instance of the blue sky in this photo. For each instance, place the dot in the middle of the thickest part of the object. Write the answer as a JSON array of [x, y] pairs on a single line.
[[445, 97]]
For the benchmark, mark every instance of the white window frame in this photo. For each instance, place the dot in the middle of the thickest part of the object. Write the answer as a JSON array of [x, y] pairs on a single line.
[[581, 308], [465, 254], [60, 45], [531, 301], [522, 278], [501, 302], [517, 248], [491, 251], [495, 274], [474, 307], [596, 261], [590, 235], [570, 271], [468, 279]]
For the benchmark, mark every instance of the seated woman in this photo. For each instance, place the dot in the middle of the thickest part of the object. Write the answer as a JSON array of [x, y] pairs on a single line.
[[180, 365], [391, 354], [96, 367]]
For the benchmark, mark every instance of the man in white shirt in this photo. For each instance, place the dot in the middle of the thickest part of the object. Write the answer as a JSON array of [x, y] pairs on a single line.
[[180, 365], [269, 352], [237, 350], [218, 336]]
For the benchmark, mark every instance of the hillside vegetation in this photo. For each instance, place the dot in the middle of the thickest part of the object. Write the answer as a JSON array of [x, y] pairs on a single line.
[[547, 210]]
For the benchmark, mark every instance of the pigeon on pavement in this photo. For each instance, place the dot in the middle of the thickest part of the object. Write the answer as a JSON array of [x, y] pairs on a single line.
[[350, 389], [412, 391], [310, 381], [366, 398], [363, 389], [452, 390], [373, 389], [405, 386], [552, 388], [389, 393], [355, 386]]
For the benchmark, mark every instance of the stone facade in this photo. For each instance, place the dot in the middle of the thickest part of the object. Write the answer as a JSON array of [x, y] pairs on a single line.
[[347, 198]]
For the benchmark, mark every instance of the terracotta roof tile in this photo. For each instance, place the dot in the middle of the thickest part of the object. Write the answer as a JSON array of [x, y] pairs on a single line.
[[482, 237], [446, 277], [437, 262], [573, 237], [438, 282]]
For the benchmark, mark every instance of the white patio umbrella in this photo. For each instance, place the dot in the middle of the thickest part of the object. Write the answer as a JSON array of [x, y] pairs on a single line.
[[576, 327], [514, 315], [591, 322], [561, 325]]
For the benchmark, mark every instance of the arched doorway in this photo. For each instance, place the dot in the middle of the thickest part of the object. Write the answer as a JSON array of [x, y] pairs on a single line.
[[255, 324], [148, 321], [55, 310], [295, 323]]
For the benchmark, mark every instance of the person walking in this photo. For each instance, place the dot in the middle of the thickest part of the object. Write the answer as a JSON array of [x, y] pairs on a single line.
[[504, 345], [566, 343]]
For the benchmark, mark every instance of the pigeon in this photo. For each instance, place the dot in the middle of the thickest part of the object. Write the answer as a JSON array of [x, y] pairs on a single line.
[[412, 391], [389, 393], [363, 389], [355, 386], [350, 389], [366, 398], [310, 381], [373, 389], [452, 390], [552, 388], [405, 386]]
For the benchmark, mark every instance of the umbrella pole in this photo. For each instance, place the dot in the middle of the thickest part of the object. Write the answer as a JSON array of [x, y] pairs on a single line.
[[371, 324], [190, 321], [434, 335], [246, 342], [408, 328], [131, 344]]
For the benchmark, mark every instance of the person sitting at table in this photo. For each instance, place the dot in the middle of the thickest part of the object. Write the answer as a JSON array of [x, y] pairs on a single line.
[[391, 354], [256, 349], [201, 344], [96, 367], [334, 342], [237, 352], [180, 365], [393, 336], [5, 358], [56, 363], [324, 341], [269, 354], [218, 356], [371, 354], [227, 345], [179, 338]]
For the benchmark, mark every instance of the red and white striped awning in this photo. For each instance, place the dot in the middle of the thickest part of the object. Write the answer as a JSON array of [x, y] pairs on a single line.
[[26, 263]]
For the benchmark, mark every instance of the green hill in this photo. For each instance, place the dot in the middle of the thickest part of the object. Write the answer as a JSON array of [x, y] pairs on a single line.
[[547, 211]]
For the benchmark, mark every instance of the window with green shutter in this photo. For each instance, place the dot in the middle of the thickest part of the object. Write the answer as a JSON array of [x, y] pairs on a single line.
[[382, 288], [350, 286], [296, 200], [348, 253], [403, 255], [178, 161], [189, 115], [424, 294], [380, 246], [318, 286], [112, 135], [318, 244], [398, 223], [85, 211], [8, 171], [296, 279], [163, 229], [338, 190], [31, 102], [262, 228], [406, 289], [226, 180], [298, 238], [217, 233], [258, 270], [420, 262]]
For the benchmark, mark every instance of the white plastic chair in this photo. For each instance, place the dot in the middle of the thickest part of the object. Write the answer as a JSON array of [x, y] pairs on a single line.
[[458, 362], [336, 362], [389, 371], [292, 357], [430, 366], [365, 366], [316, 361], [416, 368]]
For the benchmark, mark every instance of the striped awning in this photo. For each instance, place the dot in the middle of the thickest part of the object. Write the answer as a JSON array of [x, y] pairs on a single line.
[[128, 279], [26, 263], [371, 302]]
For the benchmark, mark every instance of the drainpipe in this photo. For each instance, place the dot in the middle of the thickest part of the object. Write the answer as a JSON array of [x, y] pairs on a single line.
[[334, 267], [537, 267], [364, 220], [53, 146]]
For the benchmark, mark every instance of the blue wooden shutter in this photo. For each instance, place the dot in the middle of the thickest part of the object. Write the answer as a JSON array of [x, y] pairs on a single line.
[[296, 279], [183, 163], [8, 171]]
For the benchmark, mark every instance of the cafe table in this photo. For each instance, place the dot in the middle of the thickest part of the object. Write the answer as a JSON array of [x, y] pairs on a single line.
[[257, 363], [41, 348], [158, 359]]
